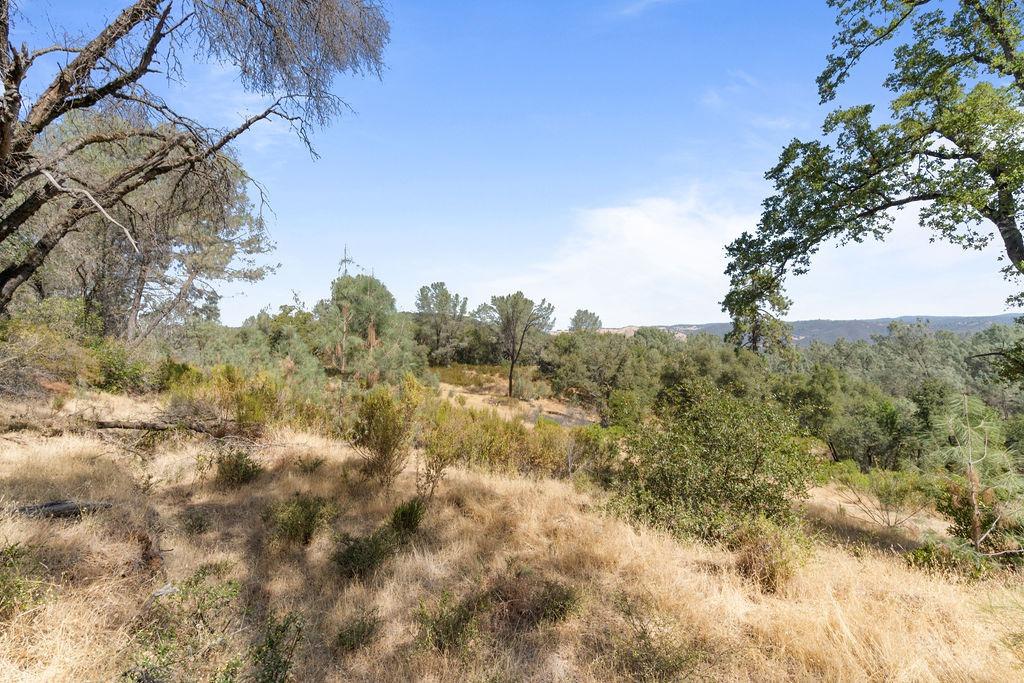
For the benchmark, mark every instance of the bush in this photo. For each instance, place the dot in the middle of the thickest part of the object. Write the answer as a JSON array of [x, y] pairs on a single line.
[[449, 626], [626, 409], [194, 522], [296, 520], [383, 434], [768, 554], [521, 600], [235, 468], [272, 655], [359, 557], [713, 462], [644, 649], [595, 451], [360, 631], [887, 497], [118, 371], [251, 402], [186, 633], [950, 558]]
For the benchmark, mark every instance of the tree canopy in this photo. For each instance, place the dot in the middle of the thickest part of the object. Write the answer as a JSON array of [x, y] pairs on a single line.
[[950, 144]]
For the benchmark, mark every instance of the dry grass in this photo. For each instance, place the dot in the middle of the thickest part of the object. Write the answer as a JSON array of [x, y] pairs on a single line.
[[648, 605]]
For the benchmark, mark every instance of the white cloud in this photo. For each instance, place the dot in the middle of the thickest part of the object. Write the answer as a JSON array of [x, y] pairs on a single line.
[[641, 6], [654, 260], [660, 260]]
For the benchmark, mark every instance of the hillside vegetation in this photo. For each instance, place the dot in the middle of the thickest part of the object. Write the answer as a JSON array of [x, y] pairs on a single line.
[[191, 576]]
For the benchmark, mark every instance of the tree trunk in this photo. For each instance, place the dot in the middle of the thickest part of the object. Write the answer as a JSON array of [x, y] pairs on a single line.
[[511, 369]]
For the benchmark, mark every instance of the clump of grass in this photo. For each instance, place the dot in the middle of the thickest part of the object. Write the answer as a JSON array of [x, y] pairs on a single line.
[[521, 600], [359, 557], [297, 519], [235, 468], [195, 522], [406, 518], [449, 626], [768, 554], [310, 464], [357, 633], [20, 587]]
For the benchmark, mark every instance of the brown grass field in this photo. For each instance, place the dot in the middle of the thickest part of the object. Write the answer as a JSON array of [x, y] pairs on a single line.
[[644, 606]]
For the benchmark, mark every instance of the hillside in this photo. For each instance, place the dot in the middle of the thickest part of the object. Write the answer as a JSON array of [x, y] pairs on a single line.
[[829, 331], [507, 578]]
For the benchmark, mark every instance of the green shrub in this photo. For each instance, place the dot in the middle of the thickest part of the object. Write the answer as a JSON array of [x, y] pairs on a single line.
[[768, 554], [383, 433], [297, 519], [187, 631], [950, 558], [170, 373], [360, 557], [889, 498], [626, 408], [118, 371], [448, 626], [235, 468], [272, 655], [595, 451], [360, 631], [712, 462], [310, 464]]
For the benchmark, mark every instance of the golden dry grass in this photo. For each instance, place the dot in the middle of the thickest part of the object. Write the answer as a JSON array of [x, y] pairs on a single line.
[[846, 616]]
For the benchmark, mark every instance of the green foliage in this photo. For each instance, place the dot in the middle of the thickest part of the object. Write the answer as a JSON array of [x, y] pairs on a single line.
[[383, 433], [951, 558], [187, 630], [441, 320], [235, 467], [887, 497], [272, 655], [947, 142], [119, 372], [361, 630], [449, 626], [585, 321], [520, 600], [512, 317], [296, 520], [21, 583], [756, 304], [626, 408], [712, 462], [360, 557], [596, 452], [406, 518], [195, 522]]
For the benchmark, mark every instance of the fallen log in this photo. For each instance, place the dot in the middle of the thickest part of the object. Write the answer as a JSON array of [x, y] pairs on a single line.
[[153, 426], [63, 508]]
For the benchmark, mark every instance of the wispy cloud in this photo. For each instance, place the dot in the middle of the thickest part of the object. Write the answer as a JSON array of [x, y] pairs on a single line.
[[660, 260], [641, 6]]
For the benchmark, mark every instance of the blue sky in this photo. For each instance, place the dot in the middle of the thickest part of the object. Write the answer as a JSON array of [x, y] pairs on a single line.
[[599, 154]]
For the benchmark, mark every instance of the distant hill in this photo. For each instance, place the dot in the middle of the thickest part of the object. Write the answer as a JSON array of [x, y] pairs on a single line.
[[828, 331]]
